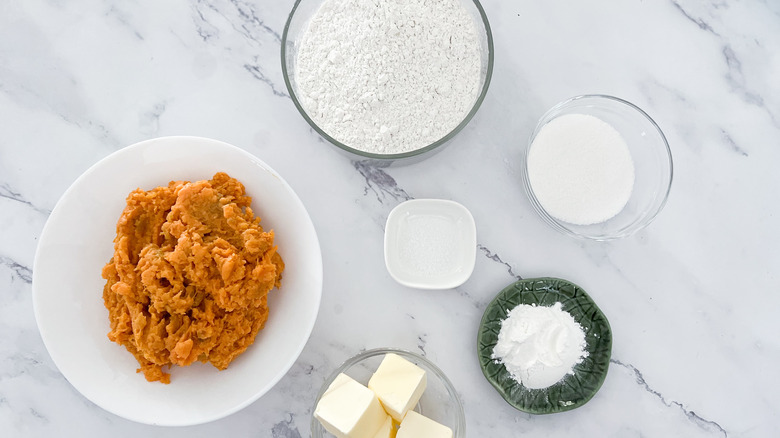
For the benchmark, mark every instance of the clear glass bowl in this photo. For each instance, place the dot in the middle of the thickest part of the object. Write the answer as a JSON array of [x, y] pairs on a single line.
[[652, 166], [439, 402], [299, 18]]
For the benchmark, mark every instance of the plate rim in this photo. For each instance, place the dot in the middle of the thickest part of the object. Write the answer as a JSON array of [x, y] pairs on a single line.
[[117, 154]]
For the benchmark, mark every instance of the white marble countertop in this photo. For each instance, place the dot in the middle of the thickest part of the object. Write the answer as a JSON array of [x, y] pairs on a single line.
[[691, 299]]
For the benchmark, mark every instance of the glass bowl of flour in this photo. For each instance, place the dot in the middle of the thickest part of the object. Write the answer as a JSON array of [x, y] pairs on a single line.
[[389, 82], [597, 167]]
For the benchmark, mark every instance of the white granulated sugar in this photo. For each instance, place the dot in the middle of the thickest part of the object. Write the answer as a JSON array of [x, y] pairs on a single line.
[[580, 169], [539, 345], [428, 245], [389, 76]]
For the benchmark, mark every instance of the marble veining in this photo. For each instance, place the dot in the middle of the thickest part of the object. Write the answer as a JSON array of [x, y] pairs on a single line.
[[380, 183], [691, 299], [706, 425], [256, 71], [703, 25], [496, 258], [20, 272]]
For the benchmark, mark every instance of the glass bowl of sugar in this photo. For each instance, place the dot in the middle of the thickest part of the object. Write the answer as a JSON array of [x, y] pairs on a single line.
[[597, 167], [387, 82]]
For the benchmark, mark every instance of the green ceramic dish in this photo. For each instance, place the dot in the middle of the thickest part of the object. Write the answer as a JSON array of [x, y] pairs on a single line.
[[570, 392]]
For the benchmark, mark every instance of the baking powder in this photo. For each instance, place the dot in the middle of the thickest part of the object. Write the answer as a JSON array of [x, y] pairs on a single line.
[[580, 169], [389, 76], [539, 345]]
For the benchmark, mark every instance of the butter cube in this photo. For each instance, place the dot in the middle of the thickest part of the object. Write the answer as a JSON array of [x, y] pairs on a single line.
[[399, 384], [348, 409], [387, 430], [418, 426]]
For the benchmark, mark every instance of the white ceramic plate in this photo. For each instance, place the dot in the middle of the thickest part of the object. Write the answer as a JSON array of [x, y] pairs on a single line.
[[430, 244], [77, 241]]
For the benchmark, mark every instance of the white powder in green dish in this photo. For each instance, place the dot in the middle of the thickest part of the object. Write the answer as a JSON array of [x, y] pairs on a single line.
[[580, 169], [539, 345]]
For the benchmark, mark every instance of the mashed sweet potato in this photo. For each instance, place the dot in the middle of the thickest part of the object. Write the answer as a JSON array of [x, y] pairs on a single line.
[[190, 275]]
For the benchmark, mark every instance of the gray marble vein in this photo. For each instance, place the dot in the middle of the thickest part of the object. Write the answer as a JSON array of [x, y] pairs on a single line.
[[736, 79], [7, 192], [256, 70], [699, 22], [496, 258], [246, 19], [707, 425], [20, 271], [731, 142], [285, 429], [380, 183], [247, 12]]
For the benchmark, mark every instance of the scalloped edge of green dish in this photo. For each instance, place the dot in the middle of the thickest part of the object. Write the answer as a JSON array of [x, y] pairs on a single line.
[[570, 392]]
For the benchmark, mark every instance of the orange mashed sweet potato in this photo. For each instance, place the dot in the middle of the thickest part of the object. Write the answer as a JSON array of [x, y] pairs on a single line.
[[190, 275]]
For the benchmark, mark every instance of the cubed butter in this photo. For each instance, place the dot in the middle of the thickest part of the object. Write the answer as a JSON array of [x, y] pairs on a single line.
[[418, 426], [348, 409], [399, 384], [387, 430]]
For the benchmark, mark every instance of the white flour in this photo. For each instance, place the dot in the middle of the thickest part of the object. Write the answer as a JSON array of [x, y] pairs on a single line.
[[539, 345], [580, 169], [389, 76]]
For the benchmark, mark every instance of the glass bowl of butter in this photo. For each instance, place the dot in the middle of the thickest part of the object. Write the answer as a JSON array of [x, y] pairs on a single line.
[[385, 393]]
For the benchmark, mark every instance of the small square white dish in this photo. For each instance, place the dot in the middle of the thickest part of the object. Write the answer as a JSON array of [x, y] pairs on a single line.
[[430, 244]]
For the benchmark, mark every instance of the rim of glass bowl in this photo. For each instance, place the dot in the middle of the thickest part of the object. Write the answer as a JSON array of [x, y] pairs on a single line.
[[562, 226], [404, 353], [420, 151]]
